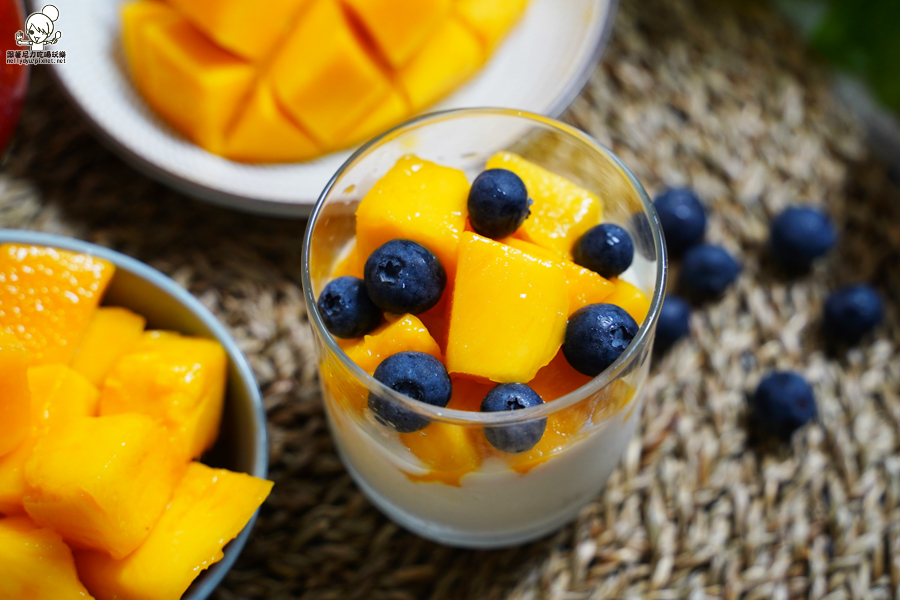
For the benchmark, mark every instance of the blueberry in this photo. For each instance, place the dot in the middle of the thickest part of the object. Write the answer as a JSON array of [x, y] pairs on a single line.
[[605, 249], [674, 321], [498, 203], [799, 236], [596, 335], [404, 277], [707, 271], [417, 375], [783, 403], [851, 312], [682, 218], [513, 438], [346, 308]]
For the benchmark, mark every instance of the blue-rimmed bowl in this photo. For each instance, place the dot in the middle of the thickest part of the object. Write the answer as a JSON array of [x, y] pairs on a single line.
[[242, 445]]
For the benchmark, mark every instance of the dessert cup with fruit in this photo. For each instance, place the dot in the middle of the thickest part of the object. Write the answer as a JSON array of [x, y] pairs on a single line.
[[484, 286]]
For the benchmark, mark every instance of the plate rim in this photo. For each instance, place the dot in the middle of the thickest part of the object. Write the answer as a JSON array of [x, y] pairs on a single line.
[[295, 210]]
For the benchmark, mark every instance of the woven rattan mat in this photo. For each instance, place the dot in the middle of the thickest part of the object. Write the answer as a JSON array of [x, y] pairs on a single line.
[[724, 99]]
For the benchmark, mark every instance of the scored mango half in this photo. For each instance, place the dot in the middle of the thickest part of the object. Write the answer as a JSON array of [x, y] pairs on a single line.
[[293, 79]]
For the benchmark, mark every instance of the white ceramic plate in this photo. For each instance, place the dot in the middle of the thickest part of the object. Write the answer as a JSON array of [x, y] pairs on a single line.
[[540, 67]]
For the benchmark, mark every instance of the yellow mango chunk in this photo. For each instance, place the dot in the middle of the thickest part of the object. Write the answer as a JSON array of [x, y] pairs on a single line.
[[451, 54], [111, 332], [264, 133], [415, 200], [48, 296], [468, 393], [245, 28], [59, 395], [399, 27], [209, 508], [391, 111], [448, 450], [324, 77], [179, 380], [137, 16], [402, 334], [490, 19], [557, 379], [102, 482], [584, 286], [349, 264], [36, 564], [509, 312], [630, 299], [192, 83], [15, 399], [562, 211]]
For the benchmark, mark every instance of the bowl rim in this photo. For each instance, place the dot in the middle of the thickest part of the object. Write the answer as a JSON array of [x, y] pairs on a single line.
[[303, 210], [216, 572], [644, 337]]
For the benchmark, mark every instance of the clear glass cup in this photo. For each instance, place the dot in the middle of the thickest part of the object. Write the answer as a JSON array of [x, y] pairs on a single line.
[[456, 489]]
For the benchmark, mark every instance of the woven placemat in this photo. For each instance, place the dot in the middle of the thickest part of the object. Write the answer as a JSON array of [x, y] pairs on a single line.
[[696, 92]]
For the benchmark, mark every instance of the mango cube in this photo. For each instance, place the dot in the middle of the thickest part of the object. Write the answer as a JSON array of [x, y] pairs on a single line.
[[36, 564], [490, 19], [102, 482], [509, 312], [415, 200], [111, 332], [631, 299], [240, 26], [48, 296], [323, 75], [264, 133], [557, 379], [562, 211], [451, 54], [468, 393], [15, 399], [399, 27], [209, 508], [449, 452], [59, 396], [584, 286], [192, 83], [179, 380]]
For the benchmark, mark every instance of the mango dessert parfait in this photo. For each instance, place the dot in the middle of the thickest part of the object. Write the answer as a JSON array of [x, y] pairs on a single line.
[[101, 423], [477, 395], [291, 80]]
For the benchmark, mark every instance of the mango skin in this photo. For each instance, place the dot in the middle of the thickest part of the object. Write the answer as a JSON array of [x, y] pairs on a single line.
[[509, 312], [209, 507], [36, 564], [102, 482]]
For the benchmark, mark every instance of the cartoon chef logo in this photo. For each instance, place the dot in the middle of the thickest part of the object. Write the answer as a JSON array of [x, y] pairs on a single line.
[[39, 29]]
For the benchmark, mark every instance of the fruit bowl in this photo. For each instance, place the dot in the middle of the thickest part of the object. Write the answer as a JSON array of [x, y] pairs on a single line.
[[540, 67], [242, 445]]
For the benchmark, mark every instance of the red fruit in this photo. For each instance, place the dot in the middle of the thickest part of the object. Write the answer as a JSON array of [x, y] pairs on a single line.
[[13, 78]]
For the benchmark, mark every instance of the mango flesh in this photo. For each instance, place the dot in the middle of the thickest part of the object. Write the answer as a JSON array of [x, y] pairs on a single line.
[[209, 507], [562, 211], [264, 133], [450, 56], [59, 395], [509, 312], [102, 482], [631, 299], [449, 451], [416, 200], [340, 71], [48, 297], [15, 400], [36, 564], [192, 83], [111, 332], [241, 27], [490, 19], [584, 286], [179, 380], [338, 83]]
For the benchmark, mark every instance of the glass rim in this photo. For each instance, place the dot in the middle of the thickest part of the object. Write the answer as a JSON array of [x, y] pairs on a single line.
[[469, 418]]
